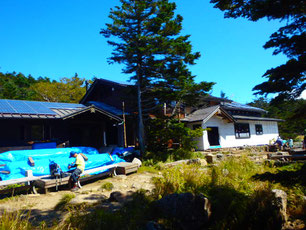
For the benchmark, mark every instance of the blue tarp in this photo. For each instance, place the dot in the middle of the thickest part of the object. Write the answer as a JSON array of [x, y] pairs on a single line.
[[17, 161]]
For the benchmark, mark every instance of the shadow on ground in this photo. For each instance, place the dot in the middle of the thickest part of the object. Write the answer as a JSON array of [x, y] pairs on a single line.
[[287, 178]]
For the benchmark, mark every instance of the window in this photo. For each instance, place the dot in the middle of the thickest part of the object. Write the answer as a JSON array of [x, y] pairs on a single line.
[[258, 129], [242, 130]]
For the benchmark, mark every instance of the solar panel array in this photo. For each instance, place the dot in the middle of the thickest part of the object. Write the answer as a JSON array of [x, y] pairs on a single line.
[[242, 106], [34, 107]]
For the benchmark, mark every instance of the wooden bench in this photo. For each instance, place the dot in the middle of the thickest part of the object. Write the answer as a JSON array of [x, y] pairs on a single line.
[[126, 168]]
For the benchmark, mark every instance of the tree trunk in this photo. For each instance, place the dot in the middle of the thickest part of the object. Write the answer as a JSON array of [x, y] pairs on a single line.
[[140, 119]]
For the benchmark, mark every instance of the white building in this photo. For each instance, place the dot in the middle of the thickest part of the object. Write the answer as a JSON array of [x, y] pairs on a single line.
[[229, 124]]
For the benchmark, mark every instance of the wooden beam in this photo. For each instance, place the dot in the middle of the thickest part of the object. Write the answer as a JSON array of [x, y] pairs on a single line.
[[31, 161]]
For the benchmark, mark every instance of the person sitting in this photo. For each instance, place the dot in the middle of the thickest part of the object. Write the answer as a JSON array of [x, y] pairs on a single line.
[[80, 167]]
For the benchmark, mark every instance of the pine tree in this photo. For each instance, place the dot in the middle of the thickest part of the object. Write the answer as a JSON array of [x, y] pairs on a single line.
[[147, 41], [288, 80]]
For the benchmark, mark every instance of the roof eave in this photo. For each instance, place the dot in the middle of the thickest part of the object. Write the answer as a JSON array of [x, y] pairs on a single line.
[[112, 116]]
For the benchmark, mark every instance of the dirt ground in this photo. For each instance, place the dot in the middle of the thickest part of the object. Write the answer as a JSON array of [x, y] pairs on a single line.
[[42, 206]]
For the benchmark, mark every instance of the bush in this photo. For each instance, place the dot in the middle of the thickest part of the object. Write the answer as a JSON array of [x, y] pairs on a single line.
[[66, 198], [15, 220], [108, 186]]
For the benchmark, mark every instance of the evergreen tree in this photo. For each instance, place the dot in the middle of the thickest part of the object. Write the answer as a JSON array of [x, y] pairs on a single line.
[[147, 41], [288, 79]]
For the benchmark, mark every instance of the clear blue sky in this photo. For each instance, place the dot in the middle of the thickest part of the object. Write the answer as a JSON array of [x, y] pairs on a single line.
[[58, 38]]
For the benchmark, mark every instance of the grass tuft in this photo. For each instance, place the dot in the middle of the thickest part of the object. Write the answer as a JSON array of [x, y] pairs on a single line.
[[66, 198], [108, 186]]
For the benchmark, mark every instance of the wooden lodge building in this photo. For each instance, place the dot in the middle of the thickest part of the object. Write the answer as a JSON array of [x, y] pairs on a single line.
[[97, 121]]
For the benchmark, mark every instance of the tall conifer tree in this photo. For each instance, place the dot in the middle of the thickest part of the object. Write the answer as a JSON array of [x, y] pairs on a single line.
[[147, 41]]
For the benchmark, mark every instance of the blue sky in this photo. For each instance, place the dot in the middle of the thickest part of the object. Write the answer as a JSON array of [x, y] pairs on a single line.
[[58, 38]]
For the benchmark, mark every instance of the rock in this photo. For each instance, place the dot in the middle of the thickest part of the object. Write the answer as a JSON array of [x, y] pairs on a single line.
[[220, 155], [116, 196], [203, 162], [199, 161], [209, 158], [189, 211], [281, 204], [137, 161], [152, 225], [120, 197]]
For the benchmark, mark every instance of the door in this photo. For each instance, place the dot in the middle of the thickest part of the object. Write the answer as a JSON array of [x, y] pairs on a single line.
[[213, 136]]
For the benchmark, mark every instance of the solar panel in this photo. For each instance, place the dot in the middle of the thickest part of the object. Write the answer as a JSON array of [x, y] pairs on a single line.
[[40, 107], [5, 107], [21, 107], [59, 105]]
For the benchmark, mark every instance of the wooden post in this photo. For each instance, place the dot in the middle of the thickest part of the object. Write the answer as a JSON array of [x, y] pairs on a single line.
[[124, 127]]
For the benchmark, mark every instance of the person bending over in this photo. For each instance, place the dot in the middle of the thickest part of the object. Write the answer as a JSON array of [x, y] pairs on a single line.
[[80, 166]]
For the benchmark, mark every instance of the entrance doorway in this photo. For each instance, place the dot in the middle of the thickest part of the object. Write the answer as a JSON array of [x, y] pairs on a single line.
[[213, 136]]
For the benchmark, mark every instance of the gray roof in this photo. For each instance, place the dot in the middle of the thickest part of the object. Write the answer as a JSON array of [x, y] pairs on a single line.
[[238, 117], [205, 114], [238, 106]]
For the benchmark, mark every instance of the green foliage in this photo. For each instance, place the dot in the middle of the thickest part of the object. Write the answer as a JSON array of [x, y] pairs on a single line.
[[15, 221], [66, 198], [66, 90], [108, 186], [288, 79], [169, 138], [19, 87], [291, 111]]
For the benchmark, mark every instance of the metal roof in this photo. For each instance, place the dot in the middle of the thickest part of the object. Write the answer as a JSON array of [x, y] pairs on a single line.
[[238, 106], [36, 109], [206, 113]]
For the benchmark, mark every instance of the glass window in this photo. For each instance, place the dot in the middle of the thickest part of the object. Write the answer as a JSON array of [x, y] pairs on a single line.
[[242, 130], [258, 129]]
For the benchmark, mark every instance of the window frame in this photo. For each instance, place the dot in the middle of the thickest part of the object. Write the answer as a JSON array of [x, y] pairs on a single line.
[[239, 129], [260, 131]]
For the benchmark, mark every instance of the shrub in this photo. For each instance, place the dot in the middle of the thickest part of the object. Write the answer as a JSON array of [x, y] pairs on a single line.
[[108, 186], [66, 198], [15, 220]]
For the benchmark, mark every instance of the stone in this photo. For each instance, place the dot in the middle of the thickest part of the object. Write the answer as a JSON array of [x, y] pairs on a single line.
[[281, 204], [137, 161], [203, 162], [220, 155], [120, 197], [198, 161], [116, 196], [209, 158], [189, 211]]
